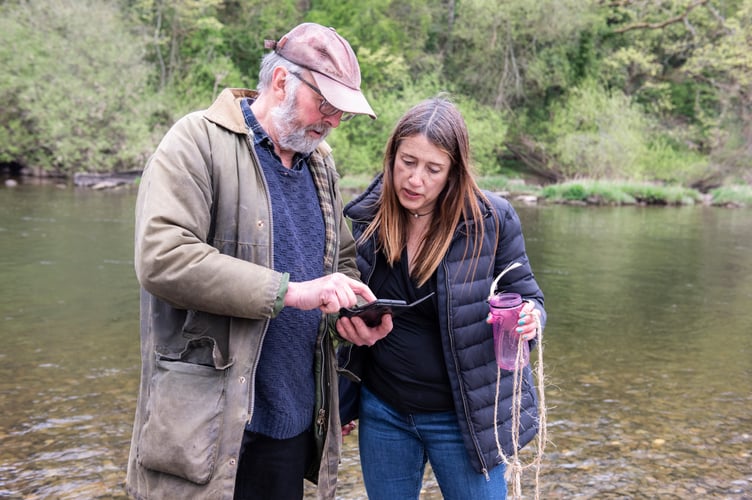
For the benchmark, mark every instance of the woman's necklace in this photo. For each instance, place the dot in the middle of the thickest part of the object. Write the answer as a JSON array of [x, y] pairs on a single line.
[[416, 214]]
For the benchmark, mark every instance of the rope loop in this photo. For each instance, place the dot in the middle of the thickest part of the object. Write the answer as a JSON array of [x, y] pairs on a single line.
[[514, 467]]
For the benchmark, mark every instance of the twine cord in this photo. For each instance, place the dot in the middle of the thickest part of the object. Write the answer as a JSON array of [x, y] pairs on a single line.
[[514, 467]]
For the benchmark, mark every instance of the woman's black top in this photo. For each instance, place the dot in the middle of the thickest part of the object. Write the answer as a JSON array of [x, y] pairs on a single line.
[[406, 369]]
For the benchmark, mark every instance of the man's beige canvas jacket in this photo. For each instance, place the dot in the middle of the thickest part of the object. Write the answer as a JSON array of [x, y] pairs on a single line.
[[203, 257]]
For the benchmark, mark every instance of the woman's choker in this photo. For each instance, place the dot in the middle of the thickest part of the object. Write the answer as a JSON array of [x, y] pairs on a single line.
[[416, 214]]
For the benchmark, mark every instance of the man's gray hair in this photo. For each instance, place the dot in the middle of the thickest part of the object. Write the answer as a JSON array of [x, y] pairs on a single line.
[[271, 61]]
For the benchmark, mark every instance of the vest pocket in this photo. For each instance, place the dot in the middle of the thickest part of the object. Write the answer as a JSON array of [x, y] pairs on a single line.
[[183, 420]]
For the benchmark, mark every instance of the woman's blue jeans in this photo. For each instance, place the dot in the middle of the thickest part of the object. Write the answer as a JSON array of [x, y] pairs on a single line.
[[394, 448]]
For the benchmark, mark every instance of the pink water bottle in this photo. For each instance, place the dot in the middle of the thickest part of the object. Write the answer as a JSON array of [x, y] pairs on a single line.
[[505, 312]]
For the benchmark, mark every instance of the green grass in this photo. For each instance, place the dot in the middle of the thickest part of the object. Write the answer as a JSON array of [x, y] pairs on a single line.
[[735, 195], [592, 192], [620, 193]]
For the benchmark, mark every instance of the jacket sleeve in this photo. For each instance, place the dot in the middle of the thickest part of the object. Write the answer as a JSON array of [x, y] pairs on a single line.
[[511, 248], [173, 259]]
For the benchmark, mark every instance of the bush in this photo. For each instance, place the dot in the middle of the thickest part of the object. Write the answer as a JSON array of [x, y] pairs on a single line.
[[735, 195], [359, 144], [80, 106], [597, 134], [620, 193]]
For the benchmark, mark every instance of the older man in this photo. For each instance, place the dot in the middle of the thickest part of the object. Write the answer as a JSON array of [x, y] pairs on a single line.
[[244, 259]]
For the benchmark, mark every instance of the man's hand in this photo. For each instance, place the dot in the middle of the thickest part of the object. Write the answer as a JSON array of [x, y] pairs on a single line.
[[329, 293]]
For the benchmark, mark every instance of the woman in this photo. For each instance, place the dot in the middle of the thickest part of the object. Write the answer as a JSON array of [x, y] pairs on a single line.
[[428, 389]]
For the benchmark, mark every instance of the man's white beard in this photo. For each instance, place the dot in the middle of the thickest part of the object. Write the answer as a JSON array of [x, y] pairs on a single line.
[[290, 136]]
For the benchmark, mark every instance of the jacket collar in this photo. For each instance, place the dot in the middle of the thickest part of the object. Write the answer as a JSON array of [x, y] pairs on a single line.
[[225, 110], [362, 208]]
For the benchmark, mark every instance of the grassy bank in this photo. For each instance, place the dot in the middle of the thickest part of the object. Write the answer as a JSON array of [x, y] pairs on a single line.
[[634, 193], [590, 192]]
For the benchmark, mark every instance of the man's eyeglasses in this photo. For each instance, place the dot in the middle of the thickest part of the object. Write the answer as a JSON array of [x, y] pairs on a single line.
[[325, 108]]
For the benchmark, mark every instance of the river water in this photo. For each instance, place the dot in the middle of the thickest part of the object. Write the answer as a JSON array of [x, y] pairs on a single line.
[[648, 349]]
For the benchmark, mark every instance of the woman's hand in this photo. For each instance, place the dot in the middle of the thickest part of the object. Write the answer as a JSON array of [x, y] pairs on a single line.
[[528, 323], [348, 428], [355, 330]]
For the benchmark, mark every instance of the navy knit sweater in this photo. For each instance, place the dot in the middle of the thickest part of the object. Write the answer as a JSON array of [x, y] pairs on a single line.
[[285, 394]]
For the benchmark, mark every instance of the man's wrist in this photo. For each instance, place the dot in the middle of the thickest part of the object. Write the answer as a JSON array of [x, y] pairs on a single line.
[[279, 302]]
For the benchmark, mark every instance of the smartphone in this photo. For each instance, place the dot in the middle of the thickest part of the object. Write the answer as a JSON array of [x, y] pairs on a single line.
[[372, 312]]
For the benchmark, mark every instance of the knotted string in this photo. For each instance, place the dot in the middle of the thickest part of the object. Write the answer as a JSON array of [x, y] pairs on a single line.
[[514, 467]]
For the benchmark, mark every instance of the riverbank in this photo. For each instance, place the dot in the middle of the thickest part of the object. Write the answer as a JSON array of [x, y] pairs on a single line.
[[576, 192], [608, 193]]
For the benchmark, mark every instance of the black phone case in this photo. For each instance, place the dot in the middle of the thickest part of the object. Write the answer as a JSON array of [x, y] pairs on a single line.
[[372, 312]]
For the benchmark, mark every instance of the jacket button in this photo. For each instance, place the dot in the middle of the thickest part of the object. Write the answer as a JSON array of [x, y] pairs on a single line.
[[260, 224], [232, 462], [242, 380]]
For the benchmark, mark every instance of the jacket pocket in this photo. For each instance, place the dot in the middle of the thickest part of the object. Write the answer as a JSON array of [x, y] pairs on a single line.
[[183, 420]]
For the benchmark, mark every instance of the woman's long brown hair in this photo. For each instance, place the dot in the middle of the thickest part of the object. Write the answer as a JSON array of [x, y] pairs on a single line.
[[439, 120]]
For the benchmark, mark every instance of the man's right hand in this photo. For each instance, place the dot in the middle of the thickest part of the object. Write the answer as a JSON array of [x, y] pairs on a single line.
[[329, 293]]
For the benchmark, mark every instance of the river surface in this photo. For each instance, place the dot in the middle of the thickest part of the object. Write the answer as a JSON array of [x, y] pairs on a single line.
[[647, 352]]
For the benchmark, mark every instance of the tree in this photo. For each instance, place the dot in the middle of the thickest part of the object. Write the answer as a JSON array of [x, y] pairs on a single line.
[[73, 86], [690, 63], [189, 45], [504, 53]]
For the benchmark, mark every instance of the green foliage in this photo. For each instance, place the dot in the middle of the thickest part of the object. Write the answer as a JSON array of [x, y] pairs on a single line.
[[496, 45], [487, 130], [653, 91], [620, 193], [665, 160], [395, 26], [734, 195], [248, 23], [573, 192], [359, 144], [382, 70], [689, 64], [598, 134], [73, 90], [495, 183], [190, 48], [587, 192]]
